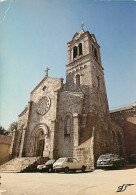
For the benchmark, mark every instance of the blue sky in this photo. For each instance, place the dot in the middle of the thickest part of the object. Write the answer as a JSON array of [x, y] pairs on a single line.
[[34, 35]]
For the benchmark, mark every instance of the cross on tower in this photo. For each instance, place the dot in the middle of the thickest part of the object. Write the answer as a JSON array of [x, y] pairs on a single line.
[[47, 69], [82, 25]]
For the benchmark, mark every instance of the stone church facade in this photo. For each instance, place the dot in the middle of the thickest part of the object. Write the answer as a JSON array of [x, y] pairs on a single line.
[[72, 118]]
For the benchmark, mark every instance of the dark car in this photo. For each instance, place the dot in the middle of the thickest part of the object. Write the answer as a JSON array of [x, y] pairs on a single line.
[[110, 160], [48, 166], [132, 158]]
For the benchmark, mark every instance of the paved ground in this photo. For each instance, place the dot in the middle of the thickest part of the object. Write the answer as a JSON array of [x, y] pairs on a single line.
[[98, 182]]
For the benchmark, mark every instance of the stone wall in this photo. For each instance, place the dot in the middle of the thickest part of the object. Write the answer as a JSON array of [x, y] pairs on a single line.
[[22, 122], [48, 88], [31, 121], [70, 104], [83, 101], [126, 118]]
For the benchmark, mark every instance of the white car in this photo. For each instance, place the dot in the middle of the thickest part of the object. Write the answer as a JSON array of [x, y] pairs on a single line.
[[67, 163], [48, 166], [41, 167]]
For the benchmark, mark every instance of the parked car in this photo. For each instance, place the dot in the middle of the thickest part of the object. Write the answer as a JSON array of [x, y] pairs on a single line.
[[67, 164], [48, 166], [110, 160]]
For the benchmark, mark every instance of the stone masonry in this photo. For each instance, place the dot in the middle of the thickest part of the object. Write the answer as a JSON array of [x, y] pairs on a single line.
[[126, 118], [70, 119]]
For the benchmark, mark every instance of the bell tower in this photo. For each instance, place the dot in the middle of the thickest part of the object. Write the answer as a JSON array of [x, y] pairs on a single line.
[[84, 71]]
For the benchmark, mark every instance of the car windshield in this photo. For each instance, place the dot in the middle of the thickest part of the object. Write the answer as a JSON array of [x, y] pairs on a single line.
[[104, 157], [60, 160], [50, 162]]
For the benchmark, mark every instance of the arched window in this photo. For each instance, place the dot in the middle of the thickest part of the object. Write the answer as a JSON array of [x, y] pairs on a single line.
[[98, 82], [95, 53], [78, 80], [67, 125], [92, 49], [74, 52], [80, 49]]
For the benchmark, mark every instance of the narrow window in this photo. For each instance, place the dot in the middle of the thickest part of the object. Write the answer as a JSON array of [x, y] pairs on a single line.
[[44, 88], [67, 125], [78, 80], [95, 53], [80, 49], [98, 82], [92, 49], [75, 52]]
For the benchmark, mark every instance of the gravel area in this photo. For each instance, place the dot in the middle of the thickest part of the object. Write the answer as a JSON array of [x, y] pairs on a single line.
[[98, 182]]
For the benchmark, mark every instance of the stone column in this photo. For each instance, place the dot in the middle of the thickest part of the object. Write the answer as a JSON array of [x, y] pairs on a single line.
[[12, 143], [22, 142], [51, 155], [46, 146], [91, 159], [75, 130], [33, 145]]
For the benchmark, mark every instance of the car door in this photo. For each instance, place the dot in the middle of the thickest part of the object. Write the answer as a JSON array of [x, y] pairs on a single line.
[[76, 164], [70, 163]]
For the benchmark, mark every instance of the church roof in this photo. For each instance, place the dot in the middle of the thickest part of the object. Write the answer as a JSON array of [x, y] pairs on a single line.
[[39, 84], [78, 33], [81, 33], [4, 139], [131, 107], [23, 112], [43, 81]]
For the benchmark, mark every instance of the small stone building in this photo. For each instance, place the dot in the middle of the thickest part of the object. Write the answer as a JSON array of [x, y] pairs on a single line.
[[72, 118], [5, 144], [126, 118]]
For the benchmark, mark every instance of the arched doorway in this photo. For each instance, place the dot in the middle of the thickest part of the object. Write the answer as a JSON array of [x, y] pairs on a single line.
[[40, 143], [40, 140]]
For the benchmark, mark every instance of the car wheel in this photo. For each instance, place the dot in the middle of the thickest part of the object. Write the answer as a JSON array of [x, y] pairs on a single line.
[[83, 168], [66, 170], [49, 170]]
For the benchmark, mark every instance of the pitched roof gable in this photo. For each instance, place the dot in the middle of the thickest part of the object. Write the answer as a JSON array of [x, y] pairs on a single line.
[[4, 139]]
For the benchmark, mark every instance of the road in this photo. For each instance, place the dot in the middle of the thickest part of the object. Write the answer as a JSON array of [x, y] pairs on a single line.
[[98, 182]]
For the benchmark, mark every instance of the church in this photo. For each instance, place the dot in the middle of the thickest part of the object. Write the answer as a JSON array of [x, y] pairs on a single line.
[[70, 119]]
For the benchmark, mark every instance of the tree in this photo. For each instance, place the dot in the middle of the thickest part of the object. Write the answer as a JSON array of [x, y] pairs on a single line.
[[12, 127], [2, 131]]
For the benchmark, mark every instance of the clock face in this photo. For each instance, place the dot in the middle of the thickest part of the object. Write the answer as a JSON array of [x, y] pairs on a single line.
[[43, 105], [77, 37]]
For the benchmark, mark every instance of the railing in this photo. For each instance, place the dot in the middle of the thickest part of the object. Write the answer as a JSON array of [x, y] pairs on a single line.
[[27, 162], [23, 163], [30, 161]]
